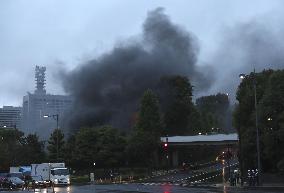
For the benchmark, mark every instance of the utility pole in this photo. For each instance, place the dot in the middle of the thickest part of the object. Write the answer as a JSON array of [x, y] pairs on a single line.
[[257, 130], [57, 135]]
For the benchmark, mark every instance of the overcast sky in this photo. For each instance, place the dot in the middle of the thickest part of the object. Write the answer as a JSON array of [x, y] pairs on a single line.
[[63, 34]]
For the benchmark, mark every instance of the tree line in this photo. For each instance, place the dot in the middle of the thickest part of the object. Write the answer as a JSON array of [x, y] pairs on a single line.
[[167, 111]]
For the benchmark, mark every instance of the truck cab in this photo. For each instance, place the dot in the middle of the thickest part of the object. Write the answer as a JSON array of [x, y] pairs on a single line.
[[60, 176]]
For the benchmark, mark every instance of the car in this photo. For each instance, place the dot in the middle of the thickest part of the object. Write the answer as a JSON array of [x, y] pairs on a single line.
[[16, 174], [16, 182], [38, 182]]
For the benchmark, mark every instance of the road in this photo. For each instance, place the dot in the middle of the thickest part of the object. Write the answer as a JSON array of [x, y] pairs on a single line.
[[213, 173], [169, 183], [139, 188]]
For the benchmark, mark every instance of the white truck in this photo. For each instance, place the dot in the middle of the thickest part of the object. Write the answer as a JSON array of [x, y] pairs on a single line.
[[54, 172]]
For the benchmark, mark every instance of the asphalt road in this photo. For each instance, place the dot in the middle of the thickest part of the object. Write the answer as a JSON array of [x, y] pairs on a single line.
[[170, 183], [211, 174], [139, 188]]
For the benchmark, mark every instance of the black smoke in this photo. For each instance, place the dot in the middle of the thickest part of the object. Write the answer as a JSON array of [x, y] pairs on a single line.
[[256, 44], [107, 89]]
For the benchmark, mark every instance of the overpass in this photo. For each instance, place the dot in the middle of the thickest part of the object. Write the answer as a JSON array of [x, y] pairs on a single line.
[[217, 139], [177, 143]]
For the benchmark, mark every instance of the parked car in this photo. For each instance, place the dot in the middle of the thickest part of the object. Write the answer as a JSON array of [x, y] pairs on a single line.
[[16, 182], [16, 174], [10, 182]]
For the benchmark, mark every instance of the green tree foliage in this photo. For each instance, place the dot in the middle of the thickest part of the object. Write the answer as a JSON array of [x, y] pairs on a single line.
[[69, 151], [149, 119], [179, 113], [142, 149], [270, 100], [32, 150], [10, 147], [56, 145], [145, 141], [215, 112], [272, 120], [103, 145]]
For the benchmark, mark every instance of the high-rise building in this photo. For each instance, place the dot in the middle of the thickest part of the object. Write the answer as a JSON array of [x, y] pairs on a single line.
[[40, 104], [10, 117]]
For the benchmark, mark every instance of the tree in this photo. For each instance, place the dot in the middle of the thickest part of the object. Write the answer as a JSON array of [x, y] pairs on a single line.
[[111, 146], [142, 149], [32, 150], [10, 147], [175, 93], [272, 120], [70, 151], [56, 145], [103, 145], [215, 112], [149, 119], [270, 100], [16, 149], [145, 141]]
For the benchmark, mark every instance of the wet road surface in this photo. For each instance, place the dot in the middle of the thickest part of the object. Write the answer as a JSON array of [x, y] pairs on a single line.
[[139, 188]]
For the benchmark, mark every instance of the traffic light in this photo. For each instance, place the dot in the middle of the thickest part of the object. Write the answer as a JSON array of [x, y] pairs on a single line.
[[166, 144]]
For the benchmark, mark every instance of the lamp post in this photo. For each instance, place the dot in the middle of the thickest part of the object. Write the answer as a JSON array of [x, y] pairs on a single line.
[[242, 76], [55, 117]]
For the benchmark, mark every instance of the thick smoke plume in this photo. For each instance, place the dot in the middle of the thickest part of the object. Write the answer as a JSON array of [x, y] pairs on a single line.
[[256, 44], [107, 89]]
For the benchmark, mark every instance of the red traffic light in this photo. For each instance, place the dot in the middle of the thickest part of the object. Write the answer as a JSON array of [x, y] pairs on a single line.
[[165, 145]]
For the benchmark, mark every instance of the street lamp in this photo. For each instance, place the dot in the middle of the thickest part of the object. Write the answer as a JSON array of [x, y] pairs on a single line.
[[243, 76], [55, 117]]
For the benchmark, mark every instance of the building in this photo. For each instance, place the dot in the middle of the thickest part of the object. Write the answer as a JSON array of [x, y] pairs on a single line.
[[40, 104], [10, 117]]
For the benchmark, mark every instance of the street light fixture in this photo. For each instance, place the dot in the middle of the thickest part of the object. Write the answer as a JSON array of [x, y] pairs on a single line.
[[243, 76], [55, 117]]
